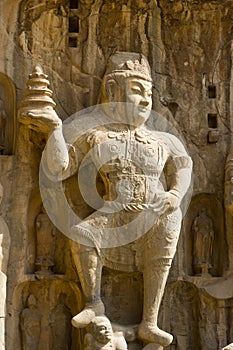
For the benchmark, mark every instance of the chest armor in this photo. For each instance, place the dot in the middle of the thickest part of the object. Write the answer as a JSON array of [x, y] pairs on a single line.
[[130, 163]]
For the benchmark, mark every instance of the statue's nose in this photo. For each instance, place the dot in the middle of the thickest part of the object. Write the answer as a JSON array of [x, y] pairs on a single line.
[[144, 103]]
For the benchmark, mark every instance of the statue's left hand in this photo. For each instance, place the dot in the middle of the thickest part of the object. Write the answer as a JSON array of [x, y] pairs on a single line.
[[165, 202], [171, 202]]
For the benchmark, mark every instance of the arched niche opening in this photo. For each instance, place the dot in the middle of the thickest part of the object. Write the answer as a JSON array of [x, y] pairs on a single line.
[[45, 243], [54, 303], [205, 217]]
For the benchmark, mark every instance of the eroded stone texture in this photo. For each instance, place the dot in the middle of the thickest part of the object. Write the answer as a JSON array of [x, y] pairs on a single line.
[[189, 48]]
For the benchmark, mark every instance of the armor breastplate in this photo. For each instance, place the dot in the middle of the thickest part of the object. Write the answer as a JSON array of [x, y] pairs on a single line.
[[130, 164]]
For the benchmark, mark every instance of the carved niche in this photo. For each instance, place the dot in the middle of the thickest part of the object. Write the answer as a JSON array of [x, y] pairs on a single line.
[[204, 236]]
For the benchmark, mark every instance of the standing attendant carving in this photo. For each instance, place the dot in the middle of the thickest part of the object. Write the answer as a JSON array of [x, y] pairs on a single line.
[[45, 247], [203, 232], [130, 160], [30, 323], [60, 323]]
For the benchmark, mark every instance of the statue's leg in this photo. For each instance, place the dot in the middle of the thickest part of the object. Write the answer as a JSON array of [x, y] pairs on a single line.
[[89, 268], [158, 252], [155, 278]]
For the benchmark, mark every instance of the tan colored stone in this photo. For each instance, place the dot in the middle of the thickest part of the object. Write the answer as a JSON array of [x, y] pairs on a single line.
[[190, 51]]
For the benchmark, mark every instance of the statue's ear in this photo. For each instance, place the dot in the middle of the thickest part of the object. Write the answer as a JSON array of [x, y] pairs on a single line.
[[111, 87]]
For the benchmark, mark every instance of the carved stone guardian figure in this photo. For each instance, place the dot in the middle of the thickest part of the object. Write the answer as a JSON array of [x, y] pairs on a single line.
[[203, 233], [130, 160]]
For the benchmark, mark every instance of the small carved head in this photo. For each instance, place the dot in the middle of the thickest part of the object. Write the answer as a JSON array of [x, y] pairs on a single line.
[[203, 211], [101, 329], [31, 301]]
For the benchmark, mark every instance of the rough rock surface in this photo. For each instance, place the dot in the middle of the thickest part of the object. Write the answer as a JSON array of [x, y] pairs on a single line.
[[189, 47]]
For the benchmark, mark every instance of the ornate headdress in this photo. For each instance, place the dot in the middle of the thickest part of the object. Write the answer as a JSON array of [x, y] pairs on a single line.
[[128, 64]]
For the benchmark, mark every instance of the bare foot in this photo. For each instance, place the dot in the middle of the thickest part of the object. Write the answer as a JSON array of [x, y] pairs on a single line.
[[83, 318], [152, 334]]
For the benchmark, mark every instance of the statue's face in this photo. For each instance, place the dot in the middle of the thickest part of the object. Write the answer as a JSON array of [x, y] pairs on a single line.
[[103, 332], [139, 92], [136, 97]]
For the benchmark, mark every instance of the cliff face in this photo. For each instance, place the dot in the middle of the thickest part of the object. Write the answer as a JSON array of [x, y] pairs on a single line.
[[189, 47]]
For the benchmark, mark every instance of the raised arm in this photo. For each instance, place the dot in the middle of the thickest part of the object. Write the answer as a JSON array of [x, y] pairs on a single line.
[[38, 113]]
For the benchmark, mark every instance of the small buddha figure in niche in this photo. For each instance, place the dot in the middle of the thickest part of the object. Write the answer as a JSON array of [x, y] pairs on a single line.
[[30, 324], [3, 116], [100, 336], [203, 237], [45, 239]]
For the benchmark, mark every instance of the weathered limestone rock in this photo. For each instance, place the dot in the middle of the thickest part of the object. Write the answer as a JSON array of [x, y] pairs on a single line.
[[189, 47]]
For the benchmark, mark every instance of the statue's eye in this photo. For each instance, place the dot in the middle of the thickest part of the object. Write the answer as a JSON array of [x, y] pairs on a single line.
[[136, 90]]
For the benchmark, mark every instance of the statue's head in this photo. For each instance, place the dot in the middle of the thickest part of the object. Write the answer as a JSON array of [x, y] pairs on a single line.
[[101, 329], [31, 301], [203, 211], [128, 80]]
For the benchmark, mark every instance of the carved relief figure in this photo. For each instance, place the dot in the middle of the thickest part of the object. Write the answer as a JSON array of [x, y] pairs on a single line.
[[101, 336], [132, 184], [60, 322], [203, 232], [30, 324], [45, 247], [3, 116], [4, 256]]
